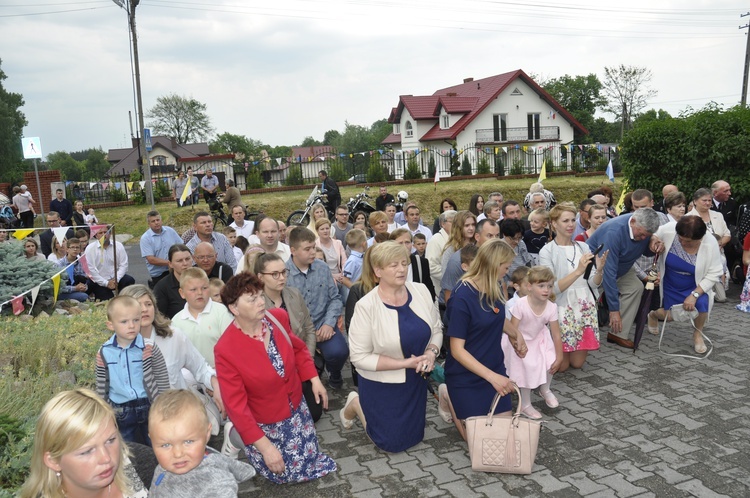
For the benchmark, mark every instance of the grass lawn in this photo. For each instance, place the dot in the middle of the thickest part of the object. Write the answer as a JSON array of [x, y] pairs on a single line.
[[132, 219]]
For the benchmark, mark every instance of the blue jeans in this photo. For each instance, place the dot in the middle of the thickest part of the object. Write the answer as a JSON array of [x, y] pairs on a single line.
[[78, 296], [132, 420], [335, 351]]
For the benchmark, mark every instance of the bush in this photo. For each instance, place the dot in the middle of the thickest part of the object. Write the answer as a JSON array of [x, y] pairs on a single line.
[[431, 168], [295, 176], [499, 165], [413, 171], [483, 167], [375, 173], [336, 171], [19, 274], [161, 189], [466, 166], [518, 167], [253, 179], [117, 195]]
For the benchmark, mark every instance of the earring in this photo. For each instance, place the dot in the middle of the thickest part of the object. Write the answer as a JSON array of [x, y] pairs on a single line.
[[58, 474]]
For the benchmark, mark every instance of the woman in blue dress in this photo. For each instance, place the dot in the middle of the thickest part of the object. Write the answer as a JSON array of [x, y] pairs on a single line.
[[475, 367], [394, 339], [689, 268]]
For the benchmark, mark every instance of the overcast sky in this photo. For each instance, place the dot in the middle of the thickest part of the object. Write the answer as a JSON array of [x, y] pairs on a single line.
[[279, 71]]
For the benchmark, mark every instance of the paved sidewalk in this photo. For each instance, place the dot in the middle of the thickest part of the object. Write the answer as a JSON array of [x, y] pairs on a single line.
[[628, 425]]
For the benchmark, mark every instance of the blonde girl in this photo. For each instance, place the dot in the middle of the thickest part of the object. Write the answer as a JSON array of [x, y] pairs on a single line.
[[78, 451], [318, 211], [533, 314]]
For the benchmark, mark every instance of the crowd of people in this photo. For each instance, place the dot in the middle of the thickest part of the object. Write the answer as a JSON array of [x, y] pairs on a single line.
[[252, 326]]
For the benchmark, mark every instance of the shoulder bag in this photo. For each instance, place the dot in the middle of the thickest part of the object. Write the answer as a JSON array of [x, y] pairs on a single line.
[[502, 443]]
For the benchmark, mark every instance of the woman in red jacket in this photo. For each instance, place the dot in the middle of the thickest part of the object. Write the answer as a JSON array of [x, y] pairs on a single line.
[[261, 365]]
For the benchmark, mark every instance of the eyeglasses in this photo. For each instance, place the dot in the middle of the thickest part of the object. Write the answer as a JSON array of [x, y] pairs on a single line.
[[53, 221], [276, 275], [204, 258]]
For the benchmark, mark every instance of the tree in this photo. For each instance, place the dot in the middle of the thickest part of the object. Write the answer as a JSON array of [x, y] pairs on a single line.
[[579, 95], [626, 92], [379, 130], [181, 118], [95, 166], [330, 137], [309, 142], [12, 121], [69, 167], [651, 115], [242, 147]]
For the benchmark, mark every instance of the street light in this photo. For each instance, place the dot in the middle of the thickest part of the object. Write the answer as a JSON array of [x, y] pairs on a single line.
[[129, 6]]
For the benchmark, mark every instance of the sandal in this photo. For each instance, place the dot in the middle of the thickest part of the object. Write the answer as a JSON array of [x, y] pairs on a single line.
[[653, 329], [531, 413], [444, 409], [550, 399], [346, 422], [700, 348]]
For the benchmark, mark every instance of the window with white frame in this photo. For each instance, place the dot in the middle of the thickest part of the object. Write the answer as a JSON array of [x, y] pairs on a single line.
[[409, 130], [446, 121], [396, 128]]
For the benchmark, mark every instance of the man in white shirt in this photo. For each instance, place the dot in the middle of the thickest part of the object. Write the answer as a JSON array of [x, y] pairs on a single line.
[[243, 227], [413, 222], [100, 259], [155, 244], [267, 233], [435, 246]]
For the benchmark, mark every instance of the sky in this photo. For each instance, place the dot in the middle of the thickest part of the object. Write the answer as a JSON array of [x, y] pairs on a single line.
[[283, 70]]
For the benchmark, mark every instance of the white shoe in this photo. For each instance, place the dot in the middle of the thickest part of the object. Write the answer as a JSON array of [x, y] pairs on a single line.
[[227, 448], [346, 422]]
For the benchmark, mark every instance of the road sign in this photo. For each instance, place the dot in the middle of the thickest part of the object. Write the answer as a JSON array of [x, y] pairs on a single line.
[[32, 148], [147, 139]]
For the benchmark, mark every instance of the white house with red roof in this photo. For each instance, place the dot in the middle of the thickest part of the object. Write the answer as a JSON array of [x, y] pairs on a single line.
[[499, 114]]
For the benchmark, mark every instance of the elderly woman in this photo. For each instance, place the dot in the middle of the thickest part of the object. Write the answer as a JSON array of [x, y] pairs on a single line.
[[575, 298], [272, 271], [167, 290], [394, 339], [714, 220], [512, 234], [689, 269], [379, 223], [78, 451], [475, 366], [261, 365], [179, 353], [674, 205]]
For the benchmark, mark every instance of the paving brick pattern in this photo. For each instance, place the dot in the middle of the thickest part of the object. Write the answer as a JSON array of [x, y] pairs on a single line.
[[628, 425]]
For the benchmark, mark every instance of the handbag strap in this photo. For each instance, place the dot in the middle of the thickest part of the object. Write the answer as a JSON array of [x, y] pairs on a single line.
[[279, 326], [496, 400], [695, 357]]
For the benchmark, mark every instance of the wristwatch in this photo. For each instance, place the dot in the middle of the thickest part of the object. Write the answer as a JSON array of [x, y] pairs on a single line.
[[696, 295]]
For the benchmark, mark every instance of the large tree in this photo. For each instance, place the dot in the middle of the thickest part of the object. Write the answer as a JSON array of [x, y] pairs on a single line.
[[70, 168], [182, 118], [626, 91], [239, 145], [12, 122], [579, 95]]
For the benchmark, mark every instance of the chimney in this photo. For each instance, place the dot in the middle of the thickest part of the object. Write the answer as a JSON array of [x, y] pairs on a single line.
[[468, 80], [174, 143], [134, 141], [451, 94]]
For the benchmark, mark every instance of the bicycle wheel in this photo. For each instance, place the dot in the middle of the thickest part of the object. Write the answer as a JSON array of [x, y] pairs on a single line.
[[219, 223]]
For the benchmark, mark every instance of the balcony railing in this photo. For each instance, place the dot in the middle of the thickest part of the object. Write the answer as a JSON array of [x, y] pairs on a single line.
[[520, 134]]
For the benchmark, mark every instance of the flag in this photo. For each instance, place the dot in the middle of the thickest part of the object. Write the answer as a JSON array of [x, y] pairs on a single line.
[[621, 203], [60, 233], [543, 172], [185, 194], [611, 172], [17, 303], [34, 294], [437, 176], [55, 286], [22, 234]]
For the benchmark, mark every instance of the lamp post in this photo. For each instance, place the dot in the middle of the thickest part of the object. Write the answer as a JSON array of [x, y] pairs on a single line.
[[129, 6]]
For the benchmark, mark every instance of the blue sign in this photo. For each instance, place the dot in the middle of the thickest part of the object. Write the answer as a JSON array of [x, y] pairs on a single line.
[[147, 139]]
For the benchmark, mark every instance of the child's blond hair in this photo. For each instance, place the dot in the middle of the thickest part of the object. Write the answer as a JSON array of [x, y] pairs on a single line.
[[215, 283], [540, 212], [355, 238], [539, 274], [177, 403], [193, 273], [121, 302], [519, 275]]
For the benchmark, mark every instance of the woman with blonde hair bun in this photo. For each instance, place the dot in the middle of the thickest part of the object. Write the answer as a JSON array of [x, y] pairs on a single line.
[[78, 451]]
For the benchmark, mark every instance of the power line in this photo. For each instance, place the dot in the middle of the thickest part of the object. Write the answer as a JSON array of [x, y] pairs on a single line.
[[52, 12]]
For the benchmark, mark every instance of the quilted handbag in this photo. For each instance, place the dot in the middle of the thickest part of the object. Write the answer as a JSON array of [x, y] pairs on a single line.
[[502, 443]]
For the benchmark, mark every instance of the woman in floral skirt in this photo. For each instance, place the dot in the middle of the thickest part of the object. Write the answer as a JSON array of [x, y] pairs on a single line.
[[576, 301]]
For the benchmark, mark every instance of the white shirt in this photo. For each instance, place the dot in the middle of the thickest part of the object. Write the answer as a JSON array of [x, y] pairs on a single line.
[[246, 230], [101, 261], [281, 249], [420, 229], [180, 353]]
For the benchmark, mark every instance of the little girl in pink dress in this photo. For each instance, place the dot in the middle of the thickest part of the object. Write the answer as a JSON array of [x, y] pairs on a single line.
[[532, 315]]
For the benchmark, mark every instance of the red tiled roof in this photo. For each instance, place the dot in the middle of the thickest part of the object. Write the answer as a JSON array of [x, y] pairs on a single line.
[[126, 160], [457, 98], [392, 139]]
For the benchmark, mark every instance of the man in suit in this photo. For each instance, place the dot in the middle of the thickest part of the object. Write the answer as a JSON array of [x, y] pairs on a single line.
[[723, 203]]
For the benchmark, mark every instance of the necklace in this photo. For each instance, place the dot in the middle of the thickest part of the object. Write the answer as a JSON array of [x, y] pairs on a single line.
[[572, 260], [262, 335]]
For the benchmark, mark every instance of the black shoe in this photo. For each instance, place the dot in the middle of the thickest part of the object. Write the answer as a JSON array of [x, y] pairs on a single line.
[[335, 382], [738, 276]]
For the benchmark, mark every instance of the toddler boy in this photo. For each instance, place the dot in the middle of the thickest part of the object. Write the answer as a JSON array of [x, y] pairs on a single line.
[[214, 288], [520, 283], [356, 241], [129, 373], [180, 430]]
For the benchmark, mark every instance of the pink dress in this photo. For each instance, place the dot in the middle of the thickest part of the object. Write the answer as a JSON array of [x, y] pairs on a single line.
[[531, 372]]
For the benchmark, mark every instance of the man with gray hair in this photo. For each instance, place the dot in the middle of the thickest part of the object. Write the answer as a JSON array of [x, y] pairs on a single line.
[[626, 238], [436, 244]]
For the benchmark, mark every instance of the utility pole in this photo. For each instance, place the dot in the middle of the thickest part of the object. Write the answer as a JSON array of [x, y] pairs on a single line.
[[743, 97], [129, 6]]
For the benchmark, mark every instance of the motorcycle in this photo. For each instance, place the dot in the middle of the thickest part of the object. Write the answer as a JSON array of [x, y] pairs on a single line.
[[302, 216], [221, 218], [359, 203]]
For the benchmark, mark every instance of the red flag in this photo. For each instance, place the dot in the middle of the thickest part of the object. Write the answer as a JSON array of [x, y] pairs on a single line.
[[17, 303]]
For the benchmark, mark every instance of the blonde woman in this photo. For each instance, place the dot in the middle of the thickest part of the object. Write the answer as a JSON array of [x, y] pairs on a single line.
[[475, 366], [379, 224], [78, 451], [462, 233], [317, 212]]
